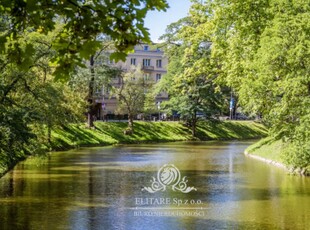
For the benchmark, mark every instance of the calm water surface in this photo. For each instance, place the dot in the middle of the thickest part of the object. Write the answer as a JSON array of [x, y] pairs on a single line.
[[100, 188]]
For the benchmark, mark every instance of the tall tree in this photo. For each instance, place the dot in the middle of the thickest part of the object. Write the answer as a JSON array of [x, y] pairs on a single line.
[[91, 80], [262, 51], [191, 79], [131, 93], [31, 103]]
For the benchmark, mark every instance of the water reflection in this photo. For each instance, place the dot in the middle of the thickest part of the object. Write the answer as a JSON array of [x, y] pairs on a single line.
[[96, 188]]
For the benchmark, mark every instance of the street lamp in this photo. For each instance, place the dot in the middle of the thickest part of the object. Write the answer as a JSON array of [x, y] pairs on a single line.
[[231, 106], [158, 107]]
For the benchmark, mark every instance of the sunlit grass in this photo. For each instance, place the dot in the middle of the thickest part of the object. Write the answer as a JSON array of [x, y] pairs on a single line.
[[268, 149], [107, 133]]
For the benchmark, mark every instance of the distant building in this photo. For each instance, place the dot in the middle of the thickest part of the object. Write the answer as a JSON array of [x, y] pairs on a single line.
[[153, 63]]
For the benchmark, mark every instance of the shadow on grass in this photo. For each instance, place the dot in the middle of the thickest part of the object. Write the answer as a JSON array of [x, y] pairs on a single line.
[[229, 130], [144, 131], [112, 132]]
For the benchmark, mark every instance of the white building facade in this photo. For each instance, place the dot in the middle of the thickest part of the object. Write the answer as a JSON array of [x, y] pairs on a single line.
[[153, 63]]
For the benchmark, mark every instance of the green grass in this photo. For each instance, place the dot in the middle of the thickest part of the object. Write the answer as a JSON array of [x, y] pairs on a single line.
[[107, 133], [230, 130], [275, 150], [268, 149]]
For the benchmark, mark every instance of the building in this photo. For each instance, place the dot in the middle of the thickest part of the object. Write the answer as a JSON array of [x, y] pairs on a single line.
[[152, 61]]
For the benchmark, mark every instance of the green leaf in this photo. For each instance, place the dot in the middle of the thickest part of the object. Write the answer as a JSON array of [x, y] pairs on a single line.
[[118, 56], [89, 48]]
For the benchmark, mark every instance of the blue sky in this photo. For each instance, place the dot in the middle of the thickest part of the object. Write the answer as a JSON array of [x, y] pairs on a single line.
[[158, 21]]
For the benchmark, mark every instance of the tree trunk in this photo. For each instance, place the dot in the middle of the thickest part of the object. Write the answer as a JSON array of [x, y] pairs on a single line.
[[194, 123], [49, 133], [90, 112]]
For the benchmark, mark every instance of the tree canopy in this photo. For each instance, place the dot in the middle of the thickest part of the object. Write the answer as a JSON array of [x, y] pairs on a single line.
[[261, 50], [31, 103], [191, 78], [46, 40], [132, 92], [83, 24]]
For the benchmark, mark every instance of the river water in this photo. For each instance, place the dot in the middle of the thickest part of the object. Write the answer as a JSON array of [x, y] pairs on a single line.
[[106, 188]]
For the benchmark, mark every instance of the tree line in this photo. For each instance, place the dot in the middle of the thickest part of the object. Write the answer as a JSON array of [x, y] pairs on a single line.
[[42, 46], [256, 50], [260, 50]]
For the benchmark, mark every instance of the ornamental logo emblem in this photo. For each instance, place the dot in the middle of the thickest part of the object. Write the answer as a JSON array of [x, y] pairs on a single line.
[[169, 176]]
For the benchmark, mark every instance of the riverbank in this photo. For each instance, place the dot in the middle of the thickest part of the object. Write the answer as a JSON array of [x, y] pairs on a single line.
[[271, 152], [111, 133]]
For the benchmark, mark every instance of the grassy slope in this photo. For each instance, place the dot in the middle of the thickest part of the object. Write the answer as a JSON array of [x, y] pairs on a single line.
[[107, 133], [267, 148]]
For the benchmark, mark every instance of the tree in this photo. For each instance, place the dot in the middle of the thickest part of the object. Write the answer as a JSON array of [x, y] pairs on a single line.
[[282, 62], [91, 80], [131, 93], [150, 106], [31, 103], [190, 80], [83, 22], [40, 39], [261, 49]]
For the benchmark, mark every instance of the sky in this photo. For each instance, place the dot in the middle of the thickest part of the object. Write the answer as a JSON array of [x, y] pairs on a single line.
[[158, 21]]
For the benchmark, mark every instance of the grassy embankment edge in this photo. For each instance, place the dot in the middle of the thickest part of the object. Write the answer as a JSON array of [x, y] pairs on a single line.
[[271, 151], [111, 133]]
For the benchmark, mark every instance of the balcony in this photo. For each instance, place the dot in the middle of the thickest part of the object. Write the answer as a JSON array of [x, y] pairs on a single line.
[[147, 68]]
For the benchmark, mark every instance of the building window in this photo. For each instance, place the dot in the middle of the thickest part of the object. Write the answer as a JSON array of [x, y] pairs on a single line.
[[146, 77], [158, 76], [146, 62], [158, 63], [146, 48], [132, 61]]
